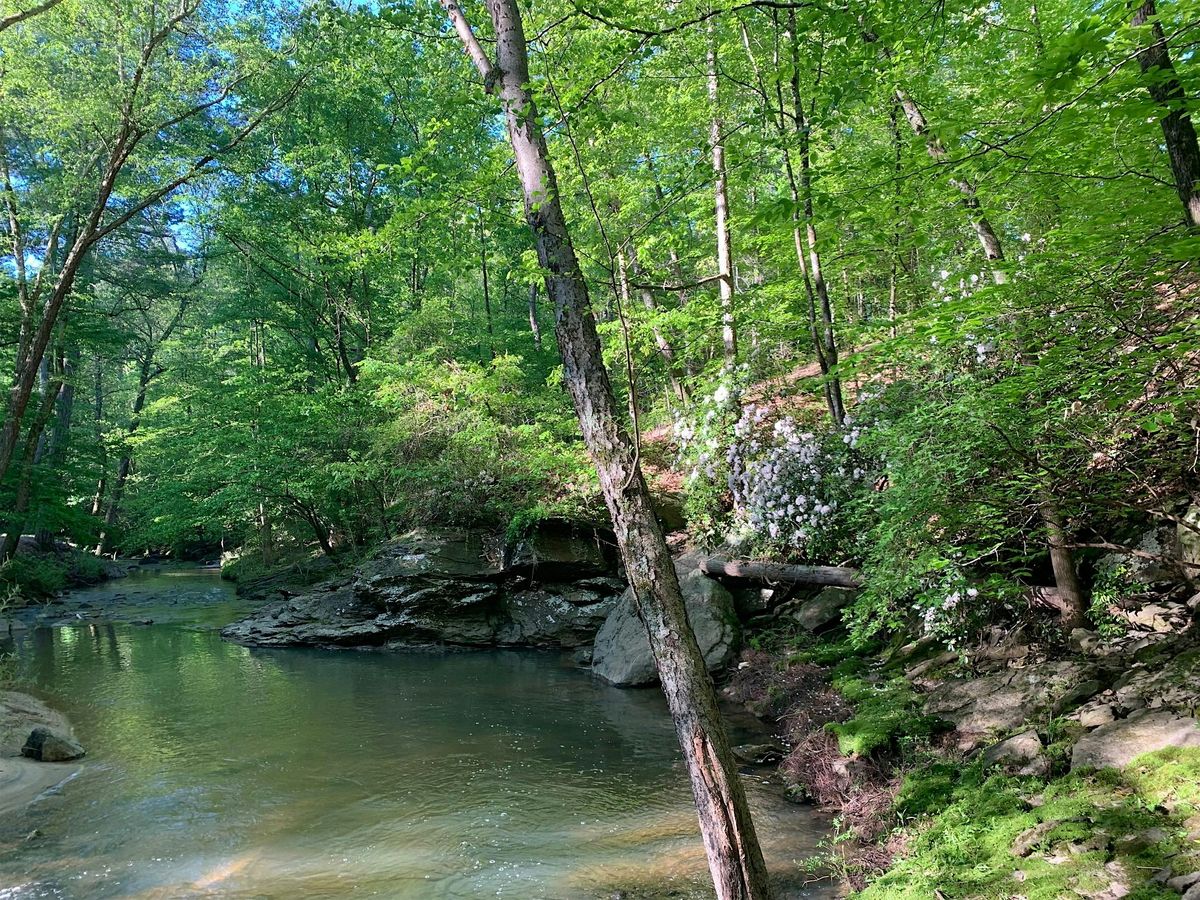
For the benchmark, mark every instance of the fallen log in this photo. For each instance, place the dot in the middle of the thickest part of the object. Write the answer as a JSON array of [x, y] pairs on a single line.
[[779, 573]]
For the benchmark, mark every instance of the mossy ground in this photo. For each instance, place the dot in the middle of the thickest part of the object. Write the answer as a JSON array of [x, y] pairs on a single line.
[[951, 825], [963, 824]]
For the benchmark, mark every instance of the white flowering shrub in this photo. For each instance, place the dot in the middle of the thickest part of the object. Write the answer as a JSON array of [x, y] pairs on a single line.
[[765, 481]]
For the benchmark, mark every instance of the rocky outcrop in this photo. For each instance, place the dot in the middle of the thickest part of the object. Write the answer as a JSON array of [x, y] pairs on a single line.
[[1020, 754], [1143, 731], [622, 652], [1006, 700], [552, 589]]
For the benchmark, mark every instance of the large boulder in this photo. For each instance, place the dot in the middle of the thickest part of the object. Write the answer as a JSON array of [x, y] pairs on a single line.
[[622, 654], [1145, 730], [19, 713], [823, 610], [565, 615], [1020, 754], [1156, 561], [558, 551], [465, 587]]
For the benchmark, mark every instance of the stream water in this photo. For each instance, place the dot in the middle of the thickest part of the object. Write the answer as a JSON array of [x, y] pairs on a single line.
[[217, 770]]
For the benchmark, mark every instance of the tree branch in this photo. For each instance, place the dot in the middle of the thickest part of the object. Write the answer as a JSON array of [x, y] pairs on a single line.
[[18, 17], [474, 49]]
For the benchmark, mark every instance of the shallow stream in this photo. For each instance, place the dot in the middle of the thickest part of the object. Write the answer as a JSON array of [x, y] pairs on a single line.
[[217, 770]]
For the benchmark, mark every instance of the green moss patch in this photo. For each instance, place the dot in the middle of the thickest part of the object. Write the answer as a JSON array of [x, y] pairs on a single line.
[[977, 835], [886, 714]]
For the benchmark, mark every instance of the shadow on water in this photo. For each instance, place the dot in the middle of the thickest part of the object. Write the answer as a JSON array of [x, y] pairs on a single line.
[[218, 770]]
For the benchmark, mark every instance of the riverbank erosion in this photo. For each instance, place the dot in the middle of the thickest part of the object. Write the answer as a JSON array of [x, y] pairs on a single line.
[[460, 587], [37, 750], [558, 588]]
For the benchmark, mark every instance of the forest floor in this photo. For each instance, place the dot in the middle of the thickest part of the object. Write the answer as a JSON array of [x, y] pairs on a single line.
[[1014, 771]]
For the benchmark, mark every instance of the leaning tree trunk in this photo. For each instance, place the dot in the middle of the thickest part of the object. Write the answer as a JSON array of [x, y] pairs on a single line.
[[981, 224], [1179, 134], [825, 340], [735, 860]]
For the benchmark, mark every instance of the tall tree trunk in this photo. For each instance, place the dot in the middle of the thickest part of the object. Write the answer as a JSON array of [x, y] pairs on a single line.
[[98, 424], [1178, 132], [1071, 596], [716, 147], [487, 292], [61, 433], [126, 462], [627, 268], [826, 339], [982, 226], [535, 327], [735, 859], [818, 309]]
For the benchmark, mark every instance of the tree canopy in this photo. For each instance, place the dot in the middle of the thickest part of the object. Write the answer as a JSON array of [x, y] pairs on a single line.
[[267, 282]]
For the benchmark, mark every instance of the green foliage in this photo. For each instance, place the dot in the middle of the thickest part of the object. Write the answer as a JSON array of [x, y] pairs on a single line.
[[1110, 585], [33, 576], [886, 715]]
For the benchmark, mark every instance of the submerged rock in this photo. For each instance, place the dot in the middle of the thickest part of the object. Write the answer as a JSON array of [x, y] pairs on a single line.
[[466, 587], [45, 745], [622, 653]]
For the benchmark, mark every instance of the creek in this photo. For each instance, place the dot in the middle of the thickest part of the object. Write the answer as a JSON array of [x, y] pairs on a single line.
[[218, 770]]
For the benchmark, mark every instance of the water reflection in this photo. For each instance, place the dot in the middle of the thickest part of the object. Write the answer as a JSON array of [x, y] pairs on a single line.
[[218, 770]]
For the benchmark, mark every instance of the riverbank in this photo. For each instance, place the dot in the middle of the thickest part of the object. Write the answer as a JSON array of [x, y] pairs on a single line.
[[439, 773], [22, 780], [1016, 770], [36, 574]]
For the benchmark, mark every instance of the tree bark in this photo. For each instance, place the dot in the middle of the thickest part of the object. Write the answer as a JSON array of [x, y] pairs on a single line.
[[779, 573], [98, 424], [1072, 602], [716, 147], [818, 309], [1179, 134], [487, 292], [535, 327], [824, 341], [735, 859]]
